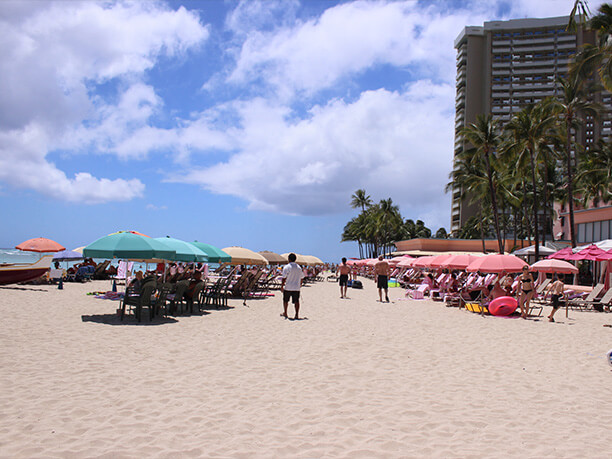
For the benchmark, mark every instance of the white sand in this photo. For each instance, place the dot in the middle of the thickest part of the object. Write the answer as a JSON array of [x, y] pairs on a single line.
[[356, 379]]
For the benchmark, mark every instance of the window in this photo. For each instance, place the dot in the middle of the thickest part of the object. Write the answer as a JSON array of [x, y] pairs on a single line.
[[605, 229], [597, 230]]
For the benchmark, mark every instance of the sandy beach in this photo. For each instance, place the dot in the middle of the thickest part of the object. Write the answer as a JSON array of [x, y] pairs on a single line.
[[355, 378]]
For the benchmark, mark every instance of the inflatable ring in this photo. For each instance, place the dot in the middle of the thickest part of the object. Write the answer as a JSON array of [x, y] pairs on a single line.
[[503, 306]]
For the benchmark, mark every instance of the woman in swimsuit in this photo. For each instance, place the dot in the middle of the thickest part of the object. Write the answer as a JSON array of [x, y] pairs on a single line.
[[526, 291]]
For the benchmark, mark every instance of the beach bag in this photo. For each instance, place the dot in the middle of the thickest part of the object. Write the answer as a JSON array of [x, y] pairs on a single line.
[[357, 284], [349, 283]]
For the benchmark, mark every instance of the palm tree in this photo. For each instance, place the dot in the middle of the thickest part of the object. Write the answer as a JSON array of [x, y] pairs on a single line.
[[595, 174], [597, 57], [571, 105], [484, 137], [468, 175], [361, 199], [530, 129]]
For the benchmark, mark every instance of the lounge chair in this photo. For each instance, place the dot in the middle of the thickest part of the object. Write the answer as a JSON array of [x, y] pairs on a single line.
[[160, 302], [602, 303], [418, 293], [584, 303]]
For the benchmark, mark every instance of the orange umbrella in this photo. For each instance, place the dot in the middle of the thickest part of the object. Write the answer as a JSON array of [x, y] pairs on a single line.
[[40, 244]]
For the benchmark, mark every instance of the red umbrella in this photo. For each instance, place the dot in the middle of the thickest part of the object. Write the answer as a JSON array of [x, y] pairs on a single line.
[[497, 263], [459, 261], [562, 254], [589, 253], [40, 244], [554, 266]]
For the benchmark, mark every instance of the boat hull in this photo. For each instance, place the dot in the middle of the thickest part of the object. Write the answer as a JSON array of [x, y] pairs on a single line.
[[14, 273]]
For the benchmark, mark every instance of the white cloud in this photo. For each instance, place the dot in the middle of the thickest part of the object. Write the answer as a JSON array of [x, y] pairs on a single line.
[[346, 40], [53, 55], [312, 166]]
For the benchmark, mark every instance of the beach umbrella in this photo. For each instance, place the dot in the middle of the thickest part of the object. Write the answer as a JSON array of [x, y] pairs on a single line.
[[406, 262], [40, 244], [128, 246], [554, 266], [422, 262], [460, 261], [184, 251], [526, 251], [436, 262], [352, 262], [496, 263], [299, 258], [215, 255], [589, 253], [313, 260], [562, 254], [67, 255], [605, 256], [273, 258], [79, 249], [133, 232], [395, 260], [243, 256]]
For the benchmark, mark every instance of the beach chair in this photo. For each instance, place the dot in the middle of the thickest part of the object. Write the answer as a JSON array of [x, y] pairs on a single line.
[[579, 303], [195, 300], [159, 304], [418, 293], [177, 299], [603, 302], [98, 273], [137, 301]]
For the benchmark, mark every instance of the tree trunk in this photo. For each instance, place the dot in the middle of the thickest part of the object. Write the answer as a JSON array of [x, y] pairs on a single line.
[[545, 199], [535, 205], [494, 203], [570, 185], [482, 237]]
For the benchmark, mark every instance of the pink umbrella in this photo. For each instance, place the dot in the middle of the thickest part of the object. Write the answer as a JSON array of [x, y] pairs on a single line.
[[589, 253], [437, 261], [497, 263], [605, 256], [422, 262], [351, 262], [406, 263], [394, 261], [554, 266], [562, 254], [459, 261]]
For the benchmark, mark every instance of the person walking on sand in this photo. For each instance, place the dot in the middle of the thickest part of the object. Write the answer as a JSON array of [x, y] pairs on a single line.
[[344, 270], [290, 285], [526, 293], [381, 269], [556, 291]]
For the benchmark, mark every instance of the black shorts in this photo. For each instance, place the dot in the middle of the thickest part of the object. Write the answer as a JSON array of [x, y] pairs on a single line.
[[382, 282], [343, 280], [295, 296], [555, 301]]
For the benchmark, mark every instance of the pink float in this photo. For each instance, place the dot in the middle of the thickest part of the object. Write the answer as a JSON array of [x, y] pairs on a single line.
[[503, 306]]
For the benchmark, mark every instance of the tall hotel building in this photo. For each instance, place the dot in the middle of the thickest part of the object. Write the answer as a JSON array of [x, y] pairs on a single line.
[[505, 65]]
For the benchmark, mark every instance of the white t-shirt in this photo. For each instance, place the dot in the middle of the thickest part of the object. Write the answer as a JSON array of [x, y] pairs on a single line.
[[293, 275]]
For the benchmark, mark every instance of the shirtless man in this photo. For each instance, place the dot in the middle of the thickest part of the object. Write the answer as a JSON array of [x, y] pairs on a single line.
[[344, 270], [381, 269], [557, 291]]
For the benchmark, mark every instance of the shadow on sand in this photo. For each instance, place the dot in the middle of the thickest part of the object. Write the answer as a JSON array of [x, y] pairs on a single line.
[[113, 319]]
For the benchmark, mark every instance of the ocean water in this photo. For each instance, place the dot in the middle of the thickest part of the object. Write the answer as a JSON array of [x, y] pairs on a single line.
[[18, 256]]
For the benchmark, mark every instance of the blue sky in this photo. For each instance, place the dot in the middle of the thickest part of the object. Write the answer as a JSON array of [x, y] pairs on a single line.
[[232, 123]]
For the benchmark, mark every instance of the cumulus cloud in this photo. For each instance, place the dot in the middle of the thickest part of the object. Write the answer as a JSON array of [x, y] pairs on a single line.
[[312, 166], [347, 39], [53, 57]]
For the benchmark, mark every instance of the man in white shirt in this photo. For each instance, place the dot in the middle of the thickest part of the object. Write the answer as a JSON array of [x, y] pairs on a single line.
[[290, 285]]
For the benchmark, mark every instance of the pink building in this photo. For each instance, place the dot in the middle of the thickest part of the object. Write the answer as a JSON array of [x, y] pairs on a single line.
[[592, 224]]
